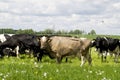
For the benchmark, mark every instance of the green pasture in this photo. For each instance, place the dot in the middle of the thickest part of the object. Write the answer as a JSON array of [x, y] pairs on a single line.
[[25, 68]]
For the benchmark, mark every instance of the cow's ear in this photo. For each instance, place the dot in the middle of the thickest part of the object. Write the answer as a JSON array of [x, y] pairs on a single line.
[[49, 40], [93, 41], [38, 39]]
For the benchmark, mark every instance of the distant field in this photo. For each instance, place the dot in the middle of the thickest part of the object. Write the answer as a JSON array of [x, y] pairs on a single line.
[[27, 69]]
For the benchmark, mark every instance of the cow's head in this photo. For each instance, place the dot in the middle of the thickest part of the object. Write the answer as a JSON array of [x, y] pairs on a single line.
[[98, 41], [43, 42], [93, 43]]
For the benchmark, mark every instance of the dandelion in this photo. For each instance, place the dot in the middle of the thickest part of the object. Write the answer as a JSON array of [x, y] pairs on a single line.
[[16, 71], [87, 76], [50, 78], [35, 64], [57, 70], [84, 70], [3, 79], [6, 75], [104, 78], [99, 72], [23, 71], [45, 74], [36, 72], [102, 72], [23, 63], [12, 62], [90, 71], [1, 74]]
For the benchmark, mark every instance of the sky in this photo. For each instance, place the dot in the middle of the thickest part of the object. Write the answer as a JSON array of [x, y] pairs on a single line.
[[101, 15]]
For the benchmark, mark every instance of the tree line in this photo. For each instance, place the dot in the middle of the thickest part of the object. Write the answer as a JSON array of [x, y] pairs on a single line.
[[46, 31]]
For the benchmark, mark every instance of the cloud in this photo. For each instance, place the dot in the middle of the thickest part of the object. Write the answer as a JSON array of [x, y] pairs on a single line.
[[101, 15]]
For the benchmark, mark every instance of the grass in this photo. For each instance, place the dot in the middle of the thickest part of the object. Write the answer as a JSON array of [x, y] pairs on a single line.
[[27, 69]]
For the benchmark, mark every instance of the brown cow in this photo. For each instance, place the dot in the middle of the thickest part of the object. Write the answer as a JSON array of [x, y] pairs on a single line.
[[60, 47]]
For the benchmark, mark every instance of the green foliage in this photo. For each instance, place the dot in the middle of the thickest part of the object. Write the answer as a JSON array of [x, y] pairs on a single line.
[[27, 31], [8, 31], [77, 31], [92, 32], [48, 31]]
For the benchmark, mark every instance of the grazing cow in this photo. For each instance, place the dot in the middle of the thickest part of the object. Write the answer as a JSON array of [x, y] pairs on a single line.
[[21, 41], [59, 47], [106, 44], [3, 38]]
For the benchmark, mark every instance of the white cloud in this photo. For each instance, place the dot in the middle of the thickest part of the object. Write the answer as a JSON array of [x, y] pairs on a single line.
[[101, 15]]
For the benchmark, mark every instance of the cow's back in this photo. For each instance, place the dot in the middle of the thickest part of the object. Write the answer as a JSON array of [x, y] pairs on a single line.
[[65, 45]]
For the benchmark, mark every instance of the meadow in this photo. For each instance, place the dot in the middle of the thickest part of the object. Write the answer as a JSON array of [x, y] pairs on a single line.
[[25, 68]]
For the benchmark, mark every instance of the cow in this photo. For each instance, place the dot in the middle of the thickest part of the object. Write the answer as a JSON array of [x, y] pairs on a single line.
[[59, 47], [24, 42], [20, 41], [3, 38], [106, 44]]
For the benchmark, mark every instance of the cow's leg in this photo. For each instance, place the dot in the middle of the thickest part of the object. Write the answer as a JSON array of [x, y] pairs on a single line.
[[89, 59], [39, 57], [17, 51], [105, 56], [59, 59], [66, 59], [116, 57], [83, 60]]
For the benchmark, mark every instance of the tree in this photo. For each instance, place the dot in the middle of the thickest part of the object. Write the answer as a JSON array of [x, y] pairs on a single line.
[[92, 32], [26, 31], [7, 30], [59, 32], [77, 31], [49, 31]]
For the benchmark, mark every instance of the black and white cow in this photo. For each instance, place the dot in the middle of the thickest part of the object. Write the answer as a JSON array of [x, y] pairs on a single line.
[[25, 42], [3, 38], [106, 44], [14, 42]]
